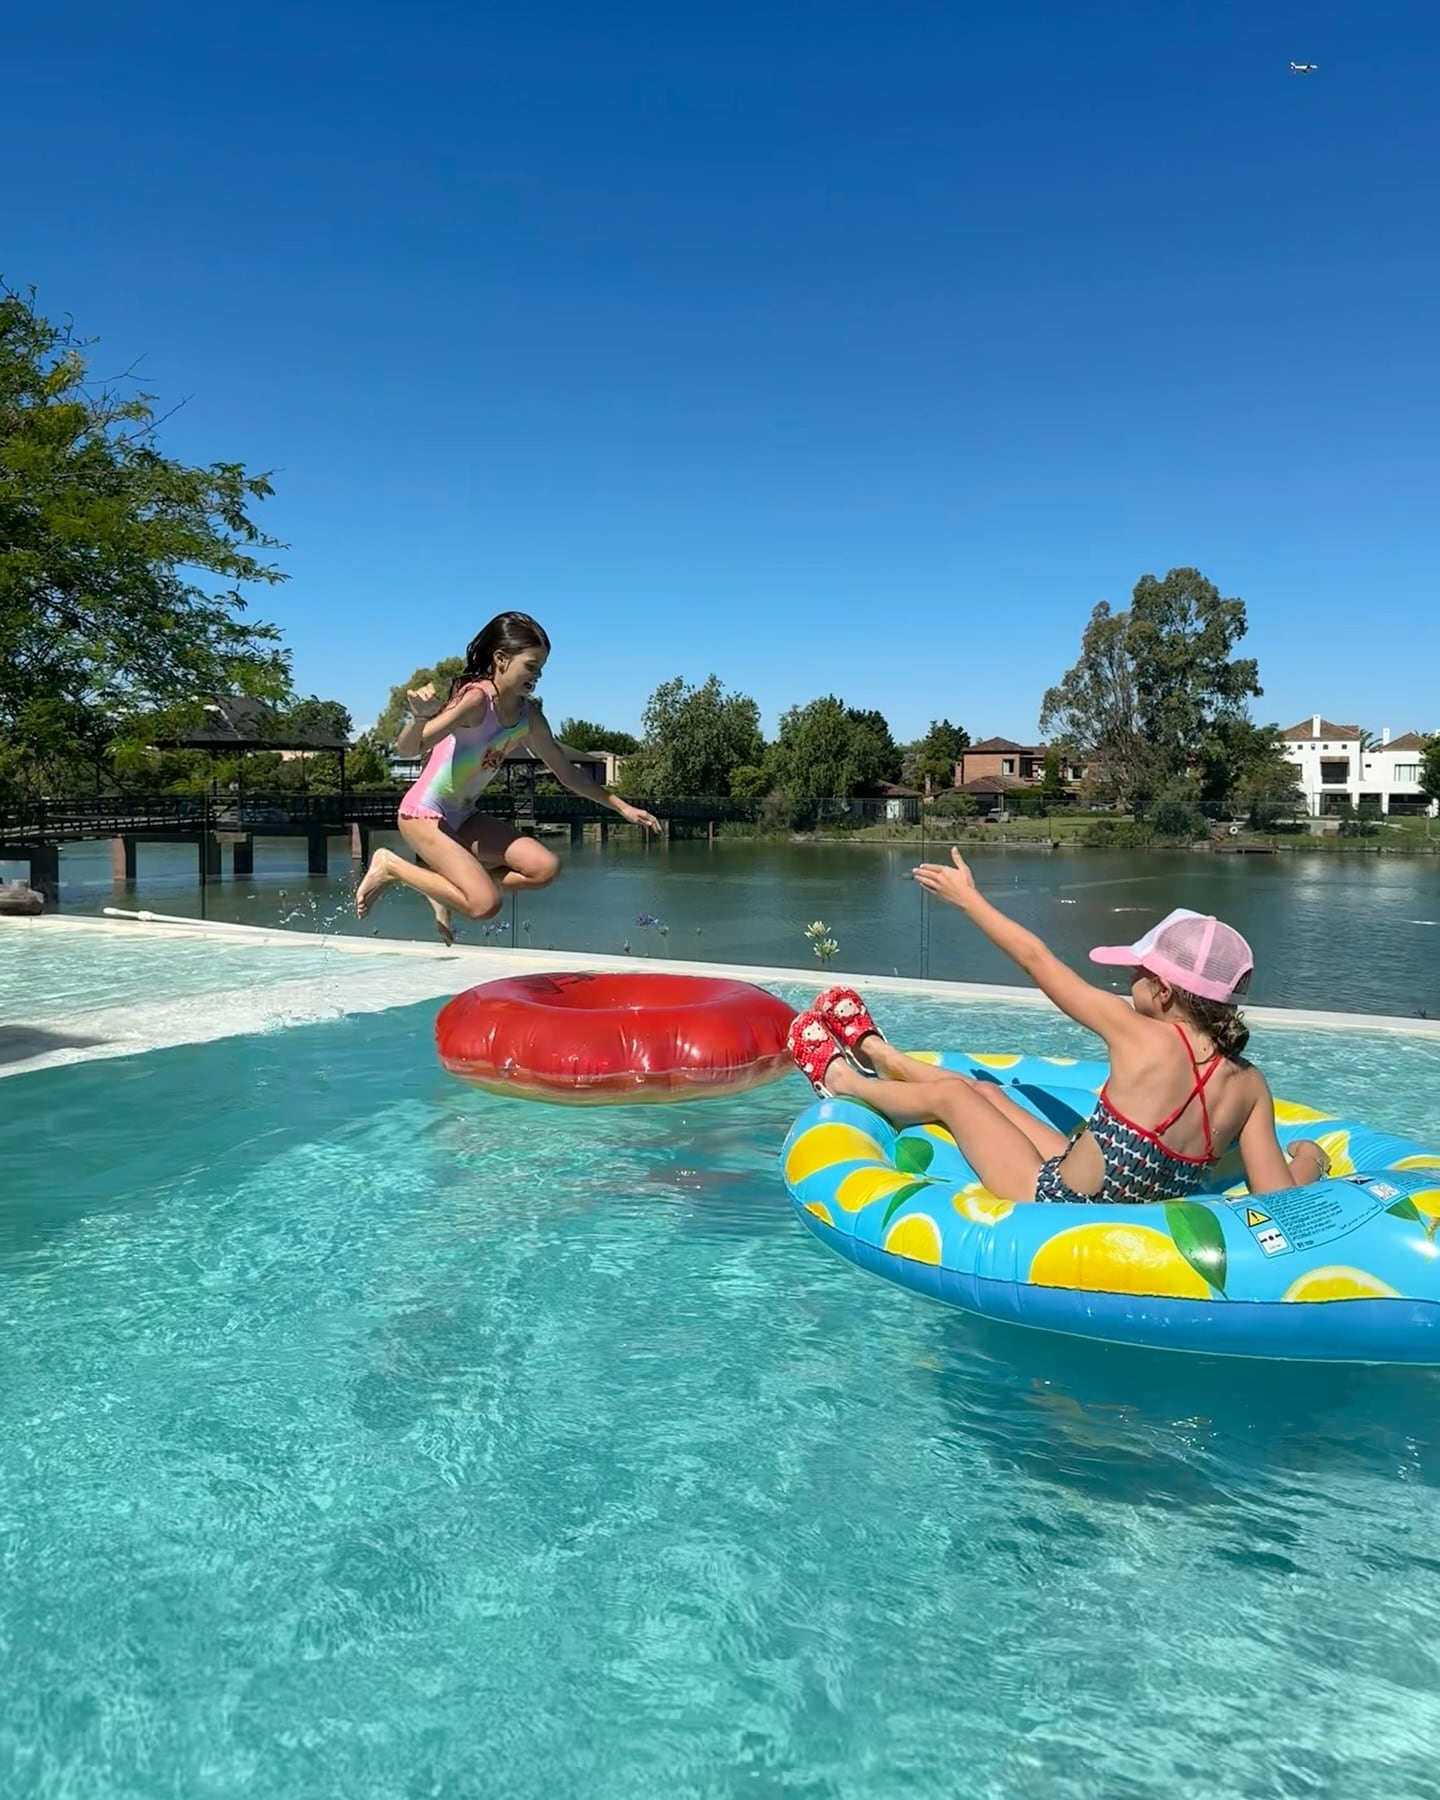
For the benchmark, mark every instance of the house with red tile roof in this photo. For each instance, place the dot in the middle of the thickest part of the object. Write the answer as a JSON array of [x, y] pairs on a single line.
[[1342, 768], [998, 767]]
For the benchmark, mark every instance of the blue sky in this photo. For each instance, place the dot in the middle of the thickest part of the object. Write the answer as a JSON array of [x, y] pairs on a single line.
[[852, 347]]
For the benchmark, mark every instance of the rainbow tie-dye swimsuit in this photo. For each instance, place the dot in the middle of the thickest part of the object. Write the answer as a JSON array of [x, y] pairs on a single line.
[[462, 765]]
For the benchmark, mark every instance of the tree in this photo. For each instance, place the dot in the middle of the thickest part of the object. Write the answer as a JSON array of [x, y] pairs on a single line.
[[582, 734], [826, 749], [749, 781], [695, 737], [1243, 766], [315, 718], [368, 764], [1430, 768], [1053, 791], [104, 544], [1154, 685], [1094, 711], [397, 708], [935, 756]]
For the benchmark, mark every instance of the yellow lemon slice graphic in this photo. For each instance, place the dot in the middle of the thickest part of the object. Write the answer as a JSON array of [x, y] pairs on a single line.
[[980, 1206], [1290, 1112], [1339, 1283], [861, 1186], [1117, 1259], [823, 1145], [1336, 1145], [916, 1238], [1427, 1202]]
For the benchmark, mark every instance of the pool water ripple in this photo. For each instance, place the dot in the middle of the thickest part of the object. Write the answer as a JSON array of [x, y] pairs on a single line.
[[363, 1434]]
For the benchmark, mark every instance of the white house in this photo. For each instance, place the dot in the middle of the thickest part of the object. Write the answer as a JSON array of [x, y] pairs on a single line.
[[1338, 769]]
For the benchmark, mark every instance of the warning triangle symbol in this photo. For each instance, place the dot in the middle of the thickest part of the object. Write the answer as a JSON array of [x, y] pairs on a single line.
[[1256, 1218]]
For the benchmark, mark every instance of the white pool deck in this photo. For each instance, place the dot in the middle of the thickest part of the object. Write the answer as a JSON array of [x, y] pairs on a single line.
[[405, 973]]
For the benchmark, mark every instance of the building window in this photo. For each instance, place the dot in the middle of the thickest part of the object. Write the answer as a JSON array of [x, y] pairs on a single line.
[[1334, 773], [1007, 766], [1407, 771]]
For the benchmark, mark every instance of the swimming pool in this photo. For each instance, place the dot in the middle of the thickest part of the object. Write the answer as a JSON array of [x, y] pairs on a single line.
[[365, 1435]]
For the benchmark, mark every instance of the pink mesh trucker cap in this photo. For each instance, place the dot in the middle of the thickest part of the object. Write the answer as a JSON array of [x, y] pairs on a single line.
[[1190, 950]]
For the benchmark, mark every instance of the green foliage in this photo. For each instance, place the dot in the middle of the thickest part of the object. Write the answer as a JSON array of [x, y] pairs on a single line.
[[1430, 768], [933, 759], [367, 765], [1053, 791], [397, 708], [1259, 779], [749, 781], [1174, 812], [695, 737], [952, 806], [582, 734], [1153, 686], [105, 545], [315, 718], [1117, 834], [829, 750]]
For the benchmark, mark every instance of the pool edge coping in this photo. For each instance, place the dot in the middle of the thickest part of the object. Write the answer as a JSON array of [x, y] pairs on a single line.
[[507, 961]]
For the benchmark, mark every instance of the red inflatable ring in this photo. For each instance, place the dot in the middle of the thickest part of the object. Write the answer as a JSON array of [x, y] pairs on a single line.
[[594, 1040]]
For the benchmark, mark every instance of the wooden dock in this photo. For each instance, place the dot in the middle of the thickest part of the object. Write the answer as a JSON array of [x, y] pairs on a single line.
[[217, 823]]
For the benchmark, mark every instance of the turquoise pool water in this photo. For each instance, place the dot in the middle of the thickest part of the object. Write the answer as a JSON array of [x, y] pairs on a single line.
[[363, 1436]]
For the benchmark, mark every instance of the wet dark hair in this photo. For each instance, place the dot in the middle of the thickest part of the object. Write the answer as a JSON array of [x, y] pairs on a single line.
[[1221, 1022], [507, 634]]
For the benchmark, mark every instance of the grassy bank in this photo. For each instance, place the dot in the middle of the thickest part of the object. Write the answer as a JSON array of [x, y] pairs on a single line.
[[1399, 837]]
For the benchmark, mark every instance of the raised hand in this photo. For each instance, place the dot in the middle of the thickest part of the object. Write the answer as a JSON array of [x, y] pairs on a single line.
[[423, 701], [953, 883]]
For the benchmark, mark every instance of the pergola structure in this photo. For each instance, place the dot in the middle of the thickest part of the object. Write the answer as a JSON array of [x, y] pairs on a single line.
[[236, 724]]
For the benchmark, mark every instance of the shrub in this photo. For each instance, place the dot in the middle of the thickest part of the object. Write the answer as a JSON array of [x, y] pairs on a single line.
[[952, 806]]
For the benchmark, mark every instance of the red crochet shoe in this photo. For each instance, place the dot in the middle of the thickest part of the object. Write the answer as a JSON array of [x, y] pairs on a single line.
[[813, 1049], [847, 1017]]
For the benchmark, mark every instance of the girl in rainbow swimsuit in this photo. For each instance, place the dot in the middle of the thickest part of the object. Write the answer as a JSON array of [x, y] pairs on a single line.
[[471, 861]]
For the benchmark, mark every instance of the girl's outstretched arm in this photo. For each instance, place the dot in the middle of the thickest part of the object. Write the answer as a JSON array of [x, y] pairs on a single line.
[[1105, 1014], [565, 772]]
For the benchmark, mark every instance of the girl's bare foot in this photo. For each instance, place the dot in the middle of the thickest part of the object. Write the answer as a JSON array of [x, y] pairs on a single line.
[[443, 924], [377, 879]]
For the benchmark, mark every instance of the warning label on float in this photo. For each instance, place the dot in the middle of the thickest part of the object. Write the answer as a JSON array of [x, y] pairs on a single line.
[[1306, 1218]]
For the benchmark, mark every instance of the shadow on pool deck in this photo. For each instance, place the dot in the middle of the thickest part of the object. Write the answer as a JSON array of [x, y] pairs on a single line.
[[18, 1043]]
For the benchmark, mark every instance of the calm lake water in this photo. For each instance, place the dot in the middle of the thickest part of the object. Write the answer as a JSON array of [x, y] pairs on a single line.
[[1355, 933]]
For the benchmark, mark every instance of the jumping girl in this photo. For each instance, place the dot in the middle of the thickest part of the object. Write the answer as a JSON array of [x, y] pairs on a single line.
[[1180, 1093], [469, 860]]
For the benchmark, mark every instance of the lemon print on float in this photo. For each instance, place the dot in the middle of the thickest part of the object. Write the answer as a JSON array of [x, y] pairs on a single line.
[[1117, 1259], [916, 1238], [1337, 1282], [824, 1145], [1290, 1112], [1336, 1145], [861, 1186], [980, 1206]]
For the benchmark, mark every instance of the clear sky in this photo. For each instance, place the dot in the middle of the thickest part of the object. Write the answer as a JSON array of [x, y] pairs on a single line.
[[856, 347]]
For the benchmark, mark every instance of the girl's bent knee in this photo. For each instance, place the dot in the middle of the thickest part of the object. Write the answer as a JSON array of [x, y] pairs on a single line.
[[536, 865], [483, 906]]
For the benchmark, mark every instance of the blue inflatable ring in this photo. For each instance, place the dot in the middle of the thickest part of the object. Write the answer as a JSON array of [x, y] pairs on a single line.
[[1221, 1274]]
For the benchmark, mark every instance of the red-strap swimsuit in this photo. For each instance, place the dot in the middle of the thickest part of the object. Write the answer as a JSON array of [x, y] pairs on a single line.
[[1138, 1165]]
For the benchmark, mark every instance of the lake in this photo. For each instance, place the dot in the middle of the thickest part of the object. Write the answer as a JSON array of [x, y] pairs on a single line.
[[1349, 932]]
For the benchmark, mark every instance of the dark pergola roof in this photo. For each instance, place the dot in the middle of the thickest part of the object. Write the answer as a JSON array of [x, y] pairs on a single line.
[[235, 722], [524, 753]]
